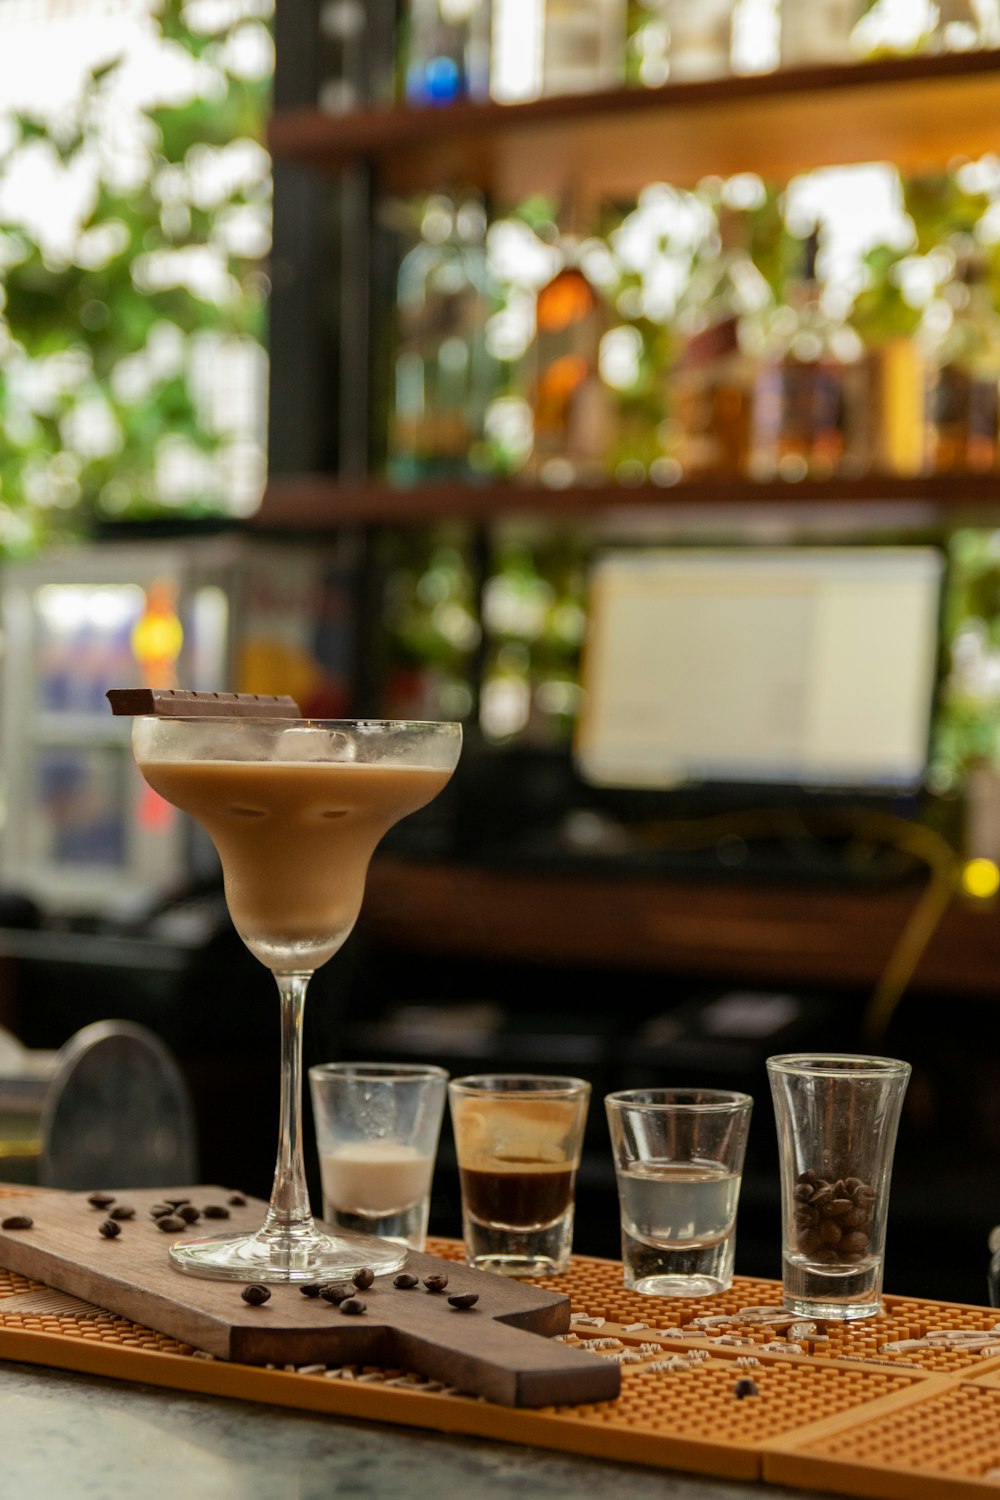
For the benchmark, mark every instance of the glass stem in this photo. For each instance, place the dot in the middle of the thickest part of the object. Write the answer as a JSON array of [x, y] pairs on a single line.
[[289, 1214]]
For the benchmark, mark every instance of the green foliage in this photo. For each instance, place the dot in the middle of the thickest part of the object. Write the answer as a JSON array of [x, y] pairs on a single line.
[[86, 403]]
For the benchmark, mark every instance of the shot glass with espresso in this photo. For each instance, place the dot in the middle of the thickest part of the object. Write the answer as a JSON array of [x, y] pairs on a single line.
[[518, 1138]]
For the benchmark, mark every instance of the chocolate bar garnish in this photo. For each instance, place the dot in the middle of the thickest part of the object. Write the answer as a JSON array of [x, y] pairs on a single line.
[[179, 703]]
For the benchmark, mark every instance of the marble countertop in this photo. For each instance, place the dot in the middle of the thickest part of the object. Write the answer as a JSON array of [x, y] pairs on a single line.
[[74, 1437]]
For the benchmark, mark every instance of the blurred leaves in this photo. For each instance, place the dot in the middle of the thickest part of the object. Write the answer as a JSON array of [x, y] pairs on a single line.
[[80, 321]]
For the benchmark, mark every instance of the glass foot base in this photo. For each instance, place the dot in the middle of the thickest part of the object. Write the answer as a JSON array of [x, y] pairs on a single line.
[[286, 1258]]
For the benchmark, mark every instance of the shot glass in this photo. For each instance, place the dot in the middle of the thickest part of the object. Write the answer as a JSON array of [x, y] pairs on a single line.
[[679, 1164], [518, 1137], [837, 1117], [377, 1128]]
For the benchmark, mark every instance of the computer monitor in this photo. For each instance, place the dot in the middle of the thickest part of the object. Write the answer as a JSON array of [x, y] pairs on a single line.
[[803, 666]]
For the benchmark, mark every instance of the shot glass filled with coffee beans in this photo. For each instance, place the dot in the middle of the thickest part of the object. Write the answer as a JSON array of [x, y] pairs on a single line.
[[837, 1117]]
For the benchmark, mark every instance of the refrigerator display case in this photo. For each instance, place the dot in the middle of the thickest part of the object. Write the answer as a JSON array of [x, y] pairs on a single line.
[[80, 832]]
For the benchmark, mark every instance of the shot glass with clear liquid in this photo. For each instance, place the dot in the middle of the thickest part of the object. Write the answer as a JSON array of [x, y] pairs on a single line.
[[377, 1128], [678, 1157], [837, 1117]]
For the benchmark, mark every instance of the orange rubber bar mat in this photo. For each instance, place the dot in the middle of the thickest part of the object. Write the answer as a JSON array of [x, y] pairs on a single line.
[[905, 1405]]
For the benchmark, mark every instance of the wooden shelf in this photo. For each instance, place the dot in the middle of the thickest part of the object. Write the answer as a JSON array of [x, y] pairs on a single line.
[[321, 503], [802, 935], [920, 113]]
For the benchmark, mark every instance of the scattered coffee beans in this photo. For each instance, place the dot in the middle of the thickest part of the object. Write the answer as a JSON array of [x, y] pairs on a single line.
[[833, 1219], [436, 1283], [406, 1281], [363, 1279], [237, 1200], [310, 1288], [176, 1202], [256, 1294], [101, 1200], [352, 1306], [188, 1213], [215, 1211], [160, 1210], [110, 1229], [464, 1299], [170, 1224], [122, 1211], [745, 1387], [17, 1221]]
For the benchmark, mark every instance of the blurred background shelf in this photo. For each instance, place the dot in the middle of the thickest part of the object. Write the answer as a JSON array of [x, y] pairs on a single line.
[[918, 112]]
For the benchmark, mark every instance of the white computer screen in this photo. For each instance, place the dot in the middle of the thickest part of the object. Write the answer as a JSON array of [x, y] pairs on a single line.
[[810, 666]]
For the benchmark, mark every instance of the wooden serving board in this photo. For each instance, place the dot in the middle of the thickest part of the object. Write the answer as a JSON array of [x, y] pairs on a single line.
[[492, 1349]]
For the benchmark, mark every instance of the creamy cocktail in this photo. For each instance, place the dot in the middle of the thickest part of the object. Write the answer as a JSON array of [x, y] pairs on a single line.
[[295, 809], [294, 839]]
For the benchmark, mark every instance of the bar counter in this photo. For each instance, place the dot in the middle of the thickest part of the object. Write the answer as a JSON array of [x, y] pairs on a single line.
[[65, 1437]]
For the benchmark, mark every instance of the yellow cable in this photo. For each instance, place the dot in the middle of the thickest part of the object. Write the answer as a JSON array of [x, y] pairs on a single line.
[[920, 842]]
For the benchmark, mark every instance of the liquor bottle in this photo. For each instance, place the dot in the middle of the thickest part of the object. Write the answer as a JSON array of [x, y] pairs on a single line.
[[710, 388], [962, 427], [814, 32], [446, 50], [572, 409], [443, 374], [700, 39], [808, 394], [543, 47], [892, 422]]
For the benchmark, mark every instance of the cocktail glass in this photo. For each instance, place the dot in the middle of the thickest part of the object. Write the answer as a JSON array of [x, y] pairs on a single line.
[[295, 808]]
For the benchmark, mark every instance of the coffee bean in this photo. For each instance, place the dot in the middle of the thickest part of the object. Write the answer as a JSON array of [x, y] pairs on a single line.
[[830, 1233], [363, 1279], [256, 1294], [17, 1221], [160, 1210], [236, 1200], [101, 1200], [110, 1229], [176, 1202], [745, 1387], [464, 1299], [188, 1213], [122, 1211], [215, 1211], [336, 1291], [311, 1288], [436, 1283], [352, 1306], [853, 1244], [839, 1207], [808, 1177], [822, 1195], [406, 1281], [170, 1224]]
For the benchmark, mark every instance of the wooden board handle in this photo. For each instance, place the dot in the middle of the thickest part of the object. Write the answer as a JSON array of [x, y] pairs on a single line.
[[505, 1364]]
